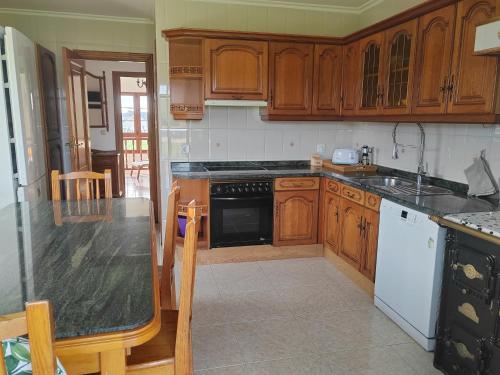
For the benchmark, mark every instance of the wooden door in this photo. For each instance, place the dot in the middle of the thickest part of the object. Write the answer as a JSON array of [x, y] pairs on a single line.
[[332, 221], [351, 232], [370, 95], [236, 69], [47, 75], [76, 107], [398, 68], [433, 62], [370, 242], [327, 83], [290, 78], [350, 78], [296, 217], [474, 78]]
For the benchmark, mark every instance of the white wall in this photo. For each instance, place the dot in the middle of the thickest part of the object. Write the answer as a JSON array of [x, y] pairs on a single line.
[[100, 138]]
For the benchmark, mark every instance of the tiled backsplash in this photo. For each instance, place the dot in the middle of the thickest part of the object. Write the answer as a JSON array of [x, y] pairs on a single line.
[[450, 148], [238, 133]]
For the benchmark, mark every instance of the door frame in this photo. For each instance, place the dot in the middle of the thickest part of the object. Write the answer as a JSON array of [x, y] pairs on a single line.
[[148, 59], [117, 106]]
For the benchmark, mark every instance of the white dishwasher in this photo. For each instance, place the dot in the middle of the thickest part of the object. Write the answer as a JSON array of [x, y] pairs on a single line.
[[410, 259]]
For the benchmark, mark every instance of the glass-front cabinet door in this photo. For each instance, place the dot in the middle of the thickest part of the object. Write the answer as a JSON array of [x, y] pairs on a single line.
[[399, 63], [370, 88]]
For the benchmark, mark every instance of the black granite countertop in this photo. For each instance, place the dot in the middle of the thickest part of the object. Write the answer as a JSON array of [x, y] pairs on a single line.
[[96, 271], [440, 205]]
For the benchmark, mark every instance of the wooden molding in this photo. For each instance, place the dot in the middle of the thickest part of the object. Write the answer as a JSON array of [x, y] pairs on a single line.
[[407, 15], [246, 35]]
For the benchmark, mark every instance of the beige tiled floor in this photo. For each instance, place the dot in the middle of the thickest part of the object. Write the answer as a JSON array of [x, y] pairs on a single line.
[[137, 188], [299, 316]]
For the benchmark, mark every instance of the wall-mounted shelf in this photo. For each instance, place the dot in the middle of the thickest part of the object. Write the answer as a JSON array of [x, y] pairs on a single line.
[[186, 78]]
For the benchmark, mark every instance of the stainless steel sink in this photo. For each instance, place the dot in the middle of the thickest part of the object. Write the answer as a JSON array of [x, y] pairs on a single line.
[[401, 186]]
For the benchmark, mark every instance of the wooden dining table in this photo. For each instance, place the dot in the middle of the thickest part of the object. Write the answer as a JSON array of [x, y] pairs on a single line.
[[96, 262]]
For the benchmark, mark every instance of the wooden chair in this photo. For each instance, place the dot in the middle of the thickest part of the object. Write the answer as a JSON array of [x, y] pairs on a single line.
[[85, 184], [167, 281], [170, 352], [37, 322]]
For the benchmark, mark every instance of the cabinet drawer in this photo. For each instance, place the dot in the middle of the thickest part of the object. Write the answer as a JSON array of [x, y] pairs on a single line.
[[300, 183], [332, 186], [372, 201], [474, 271], [353, 194]]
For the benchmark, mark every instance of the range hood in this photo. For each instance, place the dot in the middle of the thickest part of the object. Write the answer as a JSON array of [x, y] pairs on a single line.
[[235, 103], [488, 39]]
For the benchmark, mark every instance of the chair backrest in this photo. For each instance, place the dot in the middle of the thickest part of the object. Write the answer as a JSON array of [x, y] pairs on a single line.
[[37, 322], [167, 283], [183, 343], [85, 185]]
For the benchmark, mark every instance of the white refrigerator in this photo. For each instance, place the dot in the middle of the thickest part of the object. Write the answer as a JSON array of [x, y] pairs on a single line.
[[22, 154]]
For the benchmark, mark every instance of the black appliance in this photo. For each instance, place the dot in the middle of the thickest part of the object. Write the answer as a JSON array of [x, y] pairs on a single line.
[[241, 213], [468, 332]]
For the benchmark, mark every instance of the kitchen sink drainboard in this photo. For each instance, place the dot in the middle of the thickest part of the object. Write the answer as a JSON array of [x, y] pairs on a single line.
[[413, 190]]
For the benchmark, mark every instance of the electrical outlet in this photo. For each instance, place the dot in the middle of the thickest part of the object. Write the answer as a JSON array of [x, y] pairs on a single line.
[[321, 148], [185, 149]]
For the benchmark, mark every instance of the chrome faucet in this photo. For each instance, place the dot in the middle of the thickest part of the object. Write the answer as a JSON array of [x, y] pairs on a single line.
[[395, 151]]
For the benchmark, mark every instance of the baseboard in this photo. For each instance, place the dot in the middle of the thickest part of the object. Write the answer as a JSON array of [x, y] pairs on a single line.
[[254, 253]]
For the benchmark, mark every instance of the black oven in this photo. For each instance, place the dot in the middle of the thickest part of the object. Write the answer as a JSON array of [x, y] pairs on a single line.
[[241, 213]]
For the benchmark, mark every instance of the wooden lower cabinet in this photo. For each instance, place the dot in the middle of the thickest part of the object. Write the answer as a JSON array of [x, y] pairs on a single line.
[[331, 212], [351, 225], [370, 241], [295, 217]]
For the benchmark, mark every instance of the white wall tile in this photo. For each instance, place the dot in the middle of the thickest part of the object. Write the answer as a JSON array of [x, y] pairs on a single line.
[[218, 117], [253, 119], [199, 144], [256, 144], [177, 138], [274, 145], [237, 118], [218, 144], [291, 144], [237, 143]]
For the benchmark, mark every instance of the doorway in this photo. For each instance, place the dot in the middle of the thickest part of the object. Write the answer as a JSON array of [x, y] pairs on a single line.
[[132, 130], [149, 149]]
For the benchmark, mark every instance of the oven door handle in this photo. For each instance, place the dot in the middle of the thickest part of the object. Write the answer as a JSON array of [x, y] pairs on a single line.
[[241, 198]]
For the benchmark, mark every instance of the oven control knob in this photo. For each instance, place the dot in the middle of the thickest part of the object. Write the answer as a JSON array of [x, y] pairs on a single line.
[[260, 189], [247, 189], [233, 190], [240, 189]]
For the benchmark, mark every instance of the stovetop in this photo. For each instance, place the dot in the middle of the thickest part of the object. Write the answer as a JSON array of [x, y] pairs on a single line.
[[221, 168]]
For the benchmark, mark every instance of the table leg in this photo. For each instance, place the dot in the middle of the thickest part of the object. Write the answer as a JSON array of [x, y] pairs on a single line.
[[113, 362]]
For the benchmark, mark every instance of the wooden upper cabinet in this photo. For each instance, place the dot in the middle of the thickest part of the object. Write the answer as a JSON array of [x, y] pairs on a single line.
[[432, 68], [474, 78], [350, 78], [327, 82], [398, 67], [291, 78], [236, 69], [370, 94]]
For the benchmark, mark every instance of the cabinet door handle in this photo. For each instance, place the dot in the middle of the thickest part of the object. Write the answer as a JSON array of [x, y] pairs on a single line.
[[337, 215], [443, 89], [276, 209], [451, 87], [237, 97]]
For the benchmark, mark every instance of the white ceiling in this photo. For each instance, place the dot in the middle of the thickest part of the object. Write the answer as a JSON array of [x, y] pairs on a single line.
[[116, 8]]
